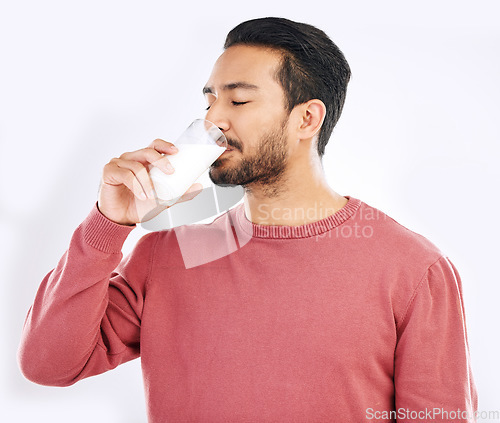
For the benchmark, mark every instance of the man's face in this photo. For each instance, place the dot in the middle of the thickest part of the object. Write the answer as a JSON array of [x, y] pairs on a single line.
[[248, 104]]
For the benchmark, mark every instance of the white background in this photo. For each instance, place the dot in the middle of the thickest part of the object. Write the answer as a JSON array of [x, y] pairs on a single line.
[[82, 82]]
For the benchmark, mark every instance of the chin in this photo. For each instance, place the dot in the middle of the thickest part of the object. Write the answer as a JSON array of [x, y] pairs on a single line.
[[213, 172], [219, 176]]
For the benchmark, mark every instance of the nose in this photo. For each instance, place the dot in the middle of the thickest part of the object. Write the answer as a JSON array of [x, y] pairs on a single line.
[[215, 115]]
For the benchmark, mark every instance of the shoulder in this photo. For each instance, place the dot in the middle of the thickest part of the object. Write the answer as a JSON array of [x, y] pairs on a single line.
[[404, 260], [394, 239]]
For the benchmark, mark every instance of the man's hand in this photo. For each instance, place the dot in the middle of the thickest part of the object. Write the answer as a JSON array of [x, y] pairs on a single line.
[[126, 193]]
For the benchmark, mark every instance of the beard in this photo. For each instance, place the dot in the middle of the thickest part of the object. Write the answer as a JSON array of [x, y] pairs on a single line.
[[264, 169]]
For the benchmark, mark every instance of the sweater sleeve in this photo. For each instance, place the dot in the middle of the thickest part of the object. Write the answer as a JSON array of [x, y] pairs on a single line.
[[86, 316], [432, 371]]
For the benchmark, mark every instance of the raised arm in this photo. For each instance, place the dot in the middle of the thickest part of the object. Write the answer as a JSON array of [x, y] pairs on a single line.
[[86, 315]]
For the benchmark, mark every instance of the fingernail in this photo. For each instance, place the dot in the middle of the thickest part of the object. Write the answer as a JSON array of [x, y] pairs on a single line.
[[169, 167], [173, 148]]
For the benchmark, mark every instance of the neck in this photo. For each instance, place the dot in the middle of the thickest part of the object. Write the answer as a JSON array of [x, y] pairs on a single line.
[[301, 196]]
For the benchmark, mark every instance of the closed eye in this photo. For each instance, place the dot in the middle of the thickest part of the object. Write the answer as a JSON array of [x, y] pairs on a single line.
[[234, 103]]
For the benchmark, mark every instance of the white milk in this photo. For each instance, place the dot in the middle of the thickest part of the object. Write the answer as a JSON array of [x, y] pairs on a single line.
[[189, 163]]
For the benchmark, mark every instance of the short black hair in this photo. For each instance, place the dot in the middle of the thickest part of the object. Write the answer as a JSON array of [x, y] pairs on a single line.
[[312, 66]]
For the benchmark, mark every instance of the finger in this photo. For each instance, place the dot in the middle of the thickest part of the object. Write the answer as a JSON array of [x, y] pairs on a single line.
[[138, 175], [115, 176], [151, 156], [163, 146]]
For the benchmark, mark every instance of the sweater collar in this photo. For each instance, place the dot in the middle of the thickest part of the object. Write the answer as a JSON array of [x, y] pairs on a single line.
[[303, 231]]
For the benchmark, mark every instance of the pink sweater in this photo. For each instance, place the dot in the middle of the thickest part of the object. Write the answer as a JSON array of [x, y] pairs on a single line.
[[353, 318]]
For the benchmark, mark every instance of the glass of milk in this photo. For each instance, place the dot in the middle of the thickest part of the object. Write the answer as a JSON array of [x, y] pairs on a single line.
[[198, 147]]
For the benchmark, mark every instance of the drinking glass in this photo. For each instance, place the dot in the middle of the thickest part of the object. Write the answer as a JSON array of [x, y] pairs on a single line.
[[198, 147]]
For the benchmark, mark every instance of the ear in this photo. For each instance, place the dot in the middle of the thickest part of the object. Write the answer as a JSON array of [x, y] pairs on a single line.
[[311, 117]]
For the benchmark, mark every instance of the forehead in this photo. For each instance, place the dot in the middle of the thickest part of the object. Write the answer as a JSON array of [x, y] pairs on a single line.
[[249, 64]]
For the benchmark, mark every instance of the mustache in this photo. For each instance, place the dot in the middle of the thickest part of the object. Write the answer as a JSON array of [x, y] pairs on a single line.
[[234, 144]]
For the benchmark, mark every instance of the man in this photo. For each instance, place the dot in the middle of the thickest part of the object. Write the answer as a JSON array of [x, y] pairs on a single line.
[[329, 311]]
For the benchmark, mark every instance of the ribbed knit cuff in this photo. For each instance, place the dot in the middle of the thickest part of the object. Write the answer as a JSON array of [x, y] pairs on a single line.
[[104, 234]]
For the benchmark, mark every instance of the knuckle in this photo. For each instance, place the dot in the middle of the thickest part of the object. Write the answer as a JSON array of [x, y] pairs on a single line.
[[158, 142], [109, 166]]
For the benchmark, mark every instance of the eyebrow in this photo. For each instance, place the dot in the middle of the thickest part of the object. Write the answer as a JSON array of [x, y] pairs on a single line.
[[232, 86]]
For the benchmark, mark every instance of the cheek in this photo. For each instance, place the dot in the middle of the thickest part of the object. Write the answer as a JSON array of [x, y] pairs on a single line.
[[251, 124], [257, 118]]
